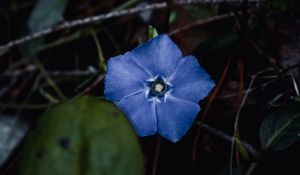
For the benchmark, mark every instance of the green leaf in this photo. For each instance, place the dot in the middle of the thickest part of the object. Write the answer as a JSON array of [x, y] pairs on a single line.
[[240, 146], [281, 128], [83, 136], [173, 17], [152, 32], [46, 13]]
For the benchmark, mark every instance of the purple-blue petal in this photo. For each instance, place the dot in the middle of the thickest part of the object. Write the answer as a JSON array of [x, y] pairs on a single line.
[[190, 81], [141, 113], [123, 78], [174, 117], [158, 56]]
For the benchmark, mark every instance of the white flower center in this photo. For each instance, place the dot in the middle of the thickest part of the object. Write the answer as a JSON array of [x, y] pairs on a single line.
[[158, 87]]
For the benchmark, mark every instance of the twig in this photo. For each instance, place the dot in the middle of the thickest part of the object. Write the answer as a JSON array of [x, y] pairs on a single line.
[[101, 17], [236, 122], [210, 101], [88, 89], [259, 50], [296, 88], [4, 89], [201, 22], [87, 72], [49, 79], [100, 51], [16, 73], [48, 96], [227, 137], [25, 106], [16, 91], [264, 85]]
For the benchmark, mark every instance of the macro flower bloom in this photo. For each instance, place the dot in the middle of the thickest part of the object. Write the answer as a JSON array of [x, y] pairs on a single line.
[[157, 88]]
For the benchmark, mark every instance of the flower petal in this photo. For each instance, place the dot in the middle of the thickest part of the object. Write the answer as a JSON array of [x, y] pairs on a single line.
[[174, 117], [190, 81], [159, 56], [141, 113], [123, 78]]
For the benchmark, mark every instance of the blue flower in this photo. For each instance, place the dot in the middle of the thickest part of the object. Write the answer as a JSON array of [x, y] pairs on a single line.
[[157, 88]]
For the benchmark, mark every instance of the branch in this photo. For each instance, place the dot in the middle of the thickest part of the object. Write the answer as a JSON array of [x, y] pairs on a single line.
[[101, 17], [227, 137], [201, 22], [237, 117]]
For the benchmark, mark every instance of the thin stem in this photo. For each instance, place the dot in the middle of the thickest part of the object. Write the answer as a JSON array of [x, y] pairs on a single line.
[[25, 106], [210, 101], [49, 80], [200, 22], [228, 137], [236, 123], [154, 168], [100, 51]]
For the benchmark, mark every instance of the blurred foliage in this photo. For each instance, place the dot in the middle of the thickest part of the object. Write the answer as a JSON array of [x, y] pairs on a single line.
[[11, 133], [43, 16], [82, 136], [46, 14], [280, 129]]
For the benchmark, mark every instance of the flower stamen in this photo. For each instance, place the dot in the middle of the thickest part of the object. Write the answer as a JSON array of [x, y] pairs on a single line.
[[158, 87]]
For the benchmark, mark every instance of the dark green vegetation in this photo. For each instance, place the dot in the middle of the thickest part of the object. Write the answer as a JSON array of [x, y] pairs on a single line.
[[84, 136], [251, 49]]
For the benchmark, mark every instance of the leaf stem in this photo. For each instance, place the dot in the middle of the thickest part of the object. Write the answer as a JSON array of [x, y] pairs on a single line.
[[100, 51], [49, 80]]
